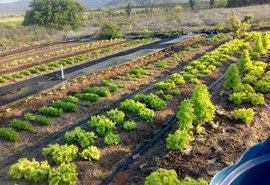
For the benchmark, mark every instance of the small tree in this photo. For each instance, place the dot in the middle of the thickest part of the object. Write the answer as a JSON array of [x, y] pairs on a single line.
[[129, 9], [110, 31], [55, 14], [232, 78], [192, 4], [204, 109], [239, 27], [151, 5], [212, 3]]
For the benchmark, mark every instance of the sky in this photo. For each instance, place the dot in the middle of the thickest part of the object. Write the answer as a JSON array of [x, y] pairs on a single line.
[[7, 1]]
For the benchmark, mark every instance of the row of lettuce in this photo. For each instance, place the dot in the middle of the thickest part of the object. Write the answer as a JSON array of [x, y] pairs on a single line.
[[70, 61], [246, 81], [59, 52], [104, 126]]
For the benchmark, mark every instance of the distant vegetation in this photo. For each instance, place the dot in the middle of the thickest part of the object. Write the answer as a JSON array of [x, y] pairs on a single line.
[[55, 14], [237, 3], [110, 31]]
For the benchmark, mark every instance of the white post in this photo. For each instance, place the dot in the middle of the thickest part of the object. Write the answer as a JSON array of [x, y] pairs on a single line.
[[62, 72]]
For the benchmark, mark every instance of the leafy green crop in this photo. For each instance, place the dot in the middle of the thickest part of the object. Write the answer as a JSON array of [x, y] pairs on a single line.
[[232, 77], [90, 153], [22, 125], [65, 106], [112, 139], [79, 135], [60, 154], [116, 116], [152, 101], [162, 177], [130, 125], [101, 124], [9, 134], [65, 174], [51, 111], [179, 140], [245, 115], [31, 171], [186, 115]]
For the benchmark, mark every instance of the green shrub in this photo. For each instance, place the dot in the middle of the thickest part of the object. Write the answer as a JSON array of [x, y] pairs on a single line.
[[112, 139], [9, 134], [162, 177], [130, 125], [60, 154], [245, 115], [79, 135], [179, 140], [51, 111], [110, 31], [22, 125], [55, 14], [65, 174], [90, 153], [2, 80], [101, 124], [116, 116]]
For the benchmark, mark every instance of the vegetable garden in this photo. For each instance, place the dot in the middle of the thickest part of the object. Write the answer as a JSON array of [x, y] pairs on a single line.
[[198, 94]]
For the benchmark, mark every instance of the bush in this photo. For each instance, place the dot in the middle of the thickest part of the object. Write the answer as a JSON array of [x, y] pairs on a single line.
[[110, 31], [245, 115], [56, 14], [9, 134], [90, 153], [130, 125], [79, 135], [179, 140], [162, 177], [64, 174], [116, 116], [112, 139]]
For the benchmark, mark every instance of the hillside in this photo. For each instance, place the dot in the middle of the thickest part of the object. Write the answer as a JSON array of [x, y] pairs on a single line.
[[144, 2], [21, 6]]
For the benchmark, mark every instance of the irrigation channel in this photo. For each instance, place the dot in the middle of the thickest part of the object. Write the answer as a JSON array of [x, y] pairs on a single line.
[[27, 88], [30, 152]]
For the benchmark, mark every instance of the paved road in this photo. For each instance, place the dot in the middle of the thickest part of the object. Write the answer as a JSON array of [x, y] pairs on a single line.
[[27, 88]]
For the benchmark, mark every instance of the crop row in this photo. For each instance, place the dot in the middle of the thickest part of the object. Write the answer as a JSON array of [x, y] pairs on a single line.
[[142, 105], [242, 80], [68, 61], [58, 52]]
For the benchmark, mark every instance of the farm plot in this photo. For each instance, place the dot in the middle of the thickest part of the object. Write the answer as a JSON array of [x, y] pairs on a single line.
[[242, 108], [36, 66], [163, 92]]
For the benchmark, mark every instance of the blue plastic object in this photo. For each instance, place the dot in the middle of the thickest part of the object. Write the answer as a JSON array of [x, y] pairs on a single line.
[[252, 169]]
